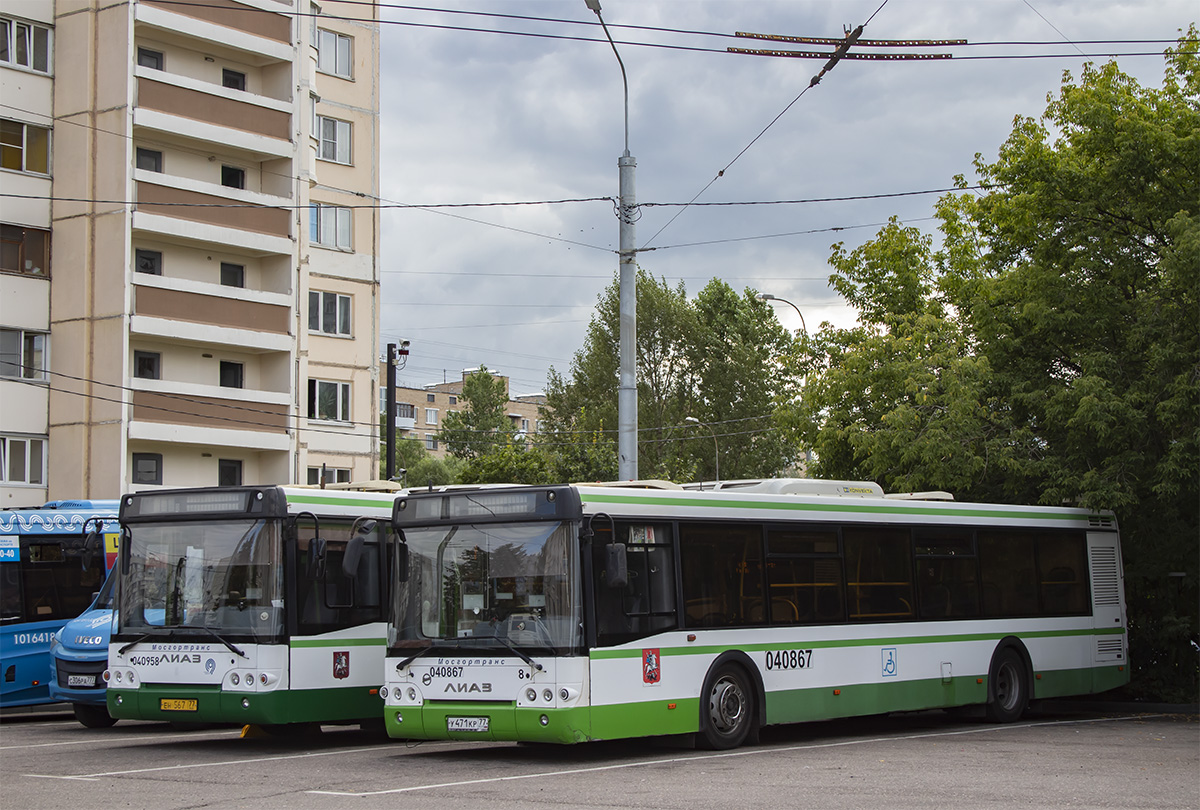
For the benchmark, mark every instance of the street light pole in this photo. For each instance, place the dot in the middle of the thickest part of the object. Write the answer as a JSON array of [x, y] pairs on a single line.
[[769, 297], [716, 449], [627, 393]]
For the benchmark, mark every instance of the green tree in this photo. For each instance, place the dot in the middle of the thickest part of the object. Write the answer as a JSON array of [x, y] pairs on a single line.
[[482, 424], [513, 462], [713, 359], [1049, 352], [420, 467]]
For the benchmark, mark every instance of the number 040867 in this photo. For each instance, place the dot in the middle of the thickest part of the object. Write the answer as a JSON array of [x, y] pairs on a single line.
[[789, 659]]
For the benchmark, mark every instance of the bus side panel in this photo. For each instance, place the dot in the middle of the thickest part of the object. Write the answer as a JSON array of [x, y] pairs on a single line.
[[336, 676], [25, 663], [646, 691]]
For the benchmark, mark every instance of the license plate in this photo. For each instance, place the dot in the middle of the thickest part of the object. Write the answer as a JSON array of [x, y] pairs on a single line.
[[176, 705], [467, 723], [81, 680]]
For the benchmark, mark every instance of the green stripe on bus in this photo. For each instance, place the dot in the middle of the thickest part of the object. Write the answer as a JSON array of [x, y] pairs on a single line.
[[334, 500], [338, 642], [851, 508], [710, 649]]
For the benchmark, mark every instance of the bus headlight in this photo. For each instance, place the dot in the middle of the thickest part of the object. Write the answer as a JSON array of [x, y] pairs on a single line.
[[412, 694], [234, 679], [531, 694], [383, 692], [547, 696]]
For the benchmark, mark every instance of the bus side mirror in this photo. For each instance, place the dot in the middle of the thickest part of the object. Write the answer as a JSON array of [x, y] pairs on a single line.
[[351, 556], [124, 550], [316, 558], [616, 565]]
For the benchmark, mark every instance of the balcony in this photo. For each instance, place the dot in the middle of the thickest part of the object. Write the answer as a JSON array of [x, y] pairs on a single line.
[[169, 304]]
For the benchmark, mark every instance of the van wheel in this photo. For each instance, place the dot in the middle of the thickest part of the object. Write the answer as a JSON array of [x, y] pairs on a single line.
[[93, 716], [726, 708]]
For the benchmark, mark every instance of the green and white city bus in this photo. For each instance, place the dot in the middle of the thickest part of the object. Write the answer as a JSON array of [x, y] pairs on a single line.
[[258, 605], [572, 613]]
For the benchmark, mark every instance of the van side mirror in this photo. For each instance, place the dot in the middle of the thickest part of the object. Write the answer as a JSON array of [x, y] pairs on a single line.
[[616, 565]]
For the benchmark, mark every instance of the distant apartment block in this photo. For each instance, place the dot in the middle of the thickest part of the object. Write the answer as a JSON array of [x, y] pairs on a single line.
[[420, 412], [190, 275]]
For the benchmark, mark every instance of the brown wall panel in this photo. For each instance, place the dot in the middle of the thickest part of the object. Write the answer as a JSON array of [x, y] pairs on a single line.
[[233, 15], [185, 306], [212, 109], [227, 213], [208, 412]]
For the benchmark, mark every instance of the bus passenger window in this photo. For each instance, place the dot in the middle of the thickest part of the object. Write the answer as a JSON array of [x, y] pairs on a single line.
[[1063, 573], [878, 574], [1007, 567], [722, 569]]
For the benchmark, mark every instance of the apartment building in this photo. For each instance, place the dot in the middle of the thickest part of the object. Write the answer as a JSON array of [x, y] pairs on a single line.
[[210, 294], [421, 411]]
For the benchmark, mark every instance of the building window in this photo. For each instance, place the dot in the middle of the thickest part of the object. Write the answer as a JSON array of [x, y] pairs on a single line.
[[333, 139], [147, 468], [431, 416], [233, 79], [233, 275], [147, 261], [333, 475], [232, 374], [149, 160], [229, 472], [431, 441], [22, 460], [147, 365], [233, 177], [453, 399], [23, 354], [329, 313], [431, 398], [524, 425], [329, 401], [25, 45], [24, 250], [329, 225], [150, 58], [406, 411], [333, 53], [24, 147]]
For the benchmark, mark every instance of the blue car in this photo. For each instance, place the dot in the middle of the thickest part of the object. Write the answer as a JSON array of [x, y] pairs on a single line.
[[79, 656]]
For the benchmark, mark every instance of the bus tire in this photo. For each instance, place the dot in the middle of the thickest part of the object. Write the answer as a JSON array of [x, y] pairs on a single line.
[[93, 716], [726, 708], [1008, 686]]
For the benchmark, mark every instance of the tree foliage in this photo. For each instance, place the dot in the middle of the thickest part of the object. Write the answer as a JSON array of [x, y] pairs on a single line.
[[713, 358], [1049, 350], [482, 424]]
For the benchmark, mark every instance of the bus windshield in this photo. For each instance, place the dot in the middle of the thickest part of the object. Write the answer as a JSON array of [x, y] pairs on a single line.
[[222, 577], [511, 583]]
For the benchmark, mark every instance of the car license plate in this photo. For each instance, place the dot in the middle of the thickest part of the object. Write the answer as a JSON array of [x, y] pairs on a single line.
[[467, 723], [176, 705], [81, 680]]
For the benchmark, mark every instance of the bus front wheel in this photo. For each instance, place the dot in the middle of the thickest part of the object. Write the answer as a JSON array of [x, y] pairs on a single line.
[[93, 716], [1009, 690], [726, 707]]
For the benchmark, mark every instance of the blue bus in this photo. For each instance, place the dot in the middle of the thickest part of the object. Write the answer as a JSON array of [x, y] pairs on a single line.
[[79, 656], [49, 574]]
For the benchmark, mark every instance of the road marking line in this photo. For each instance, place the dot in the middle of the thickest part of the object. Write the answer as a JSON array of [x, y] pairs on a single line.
[[724, 754]]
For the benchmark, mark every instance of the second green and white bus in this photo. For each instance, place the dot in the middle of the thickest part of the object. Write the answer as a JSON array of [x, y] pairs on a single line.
[[254, 605], [573, 613]]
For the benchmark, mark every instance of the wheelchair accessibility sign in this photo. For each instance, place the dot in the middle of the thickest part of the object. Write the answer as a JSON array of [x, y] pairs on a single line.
[[890, 667]]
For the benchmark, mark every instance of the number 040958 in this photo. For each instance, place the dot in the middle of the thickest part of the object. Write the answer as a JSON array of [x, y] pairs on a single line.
[[789, 659]]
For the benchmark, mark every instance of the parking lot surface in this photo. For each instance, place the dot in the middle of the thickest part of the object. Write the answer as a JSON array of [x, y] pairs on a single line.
[[926, 760]]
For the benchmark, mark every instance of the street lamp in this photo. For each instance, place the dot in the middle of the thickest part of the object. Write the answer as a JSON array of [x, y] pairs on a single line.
[[716, 449], [627, 395], [769, 297]]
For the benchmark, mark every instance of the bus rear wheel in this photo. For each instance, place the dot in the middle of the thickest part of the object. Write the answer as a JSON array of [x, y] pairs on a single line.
[[93, 716], [726, 707], [1008, 686]]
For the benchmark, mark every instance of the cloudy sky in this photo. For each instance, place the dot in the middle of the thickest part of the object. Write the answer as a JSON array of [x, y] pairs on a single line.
[[478, 117]]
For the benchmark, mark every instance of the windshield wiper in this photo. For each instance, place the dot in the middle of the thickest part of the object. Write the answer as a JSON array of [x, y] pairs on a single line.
[[136, 642], [227, 643], [419, 653], [519, 653]]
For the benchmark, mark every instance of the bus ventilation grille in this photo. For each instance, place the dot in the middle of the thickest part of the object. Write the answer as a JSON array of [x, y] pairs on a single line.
[[1109, 649], [1105, 579], [1100, 522]]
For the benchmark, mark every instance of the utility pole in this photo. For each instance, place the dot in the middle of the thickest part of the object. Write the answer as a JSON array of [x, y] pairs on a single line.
[[627, 393], [389, 398]]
